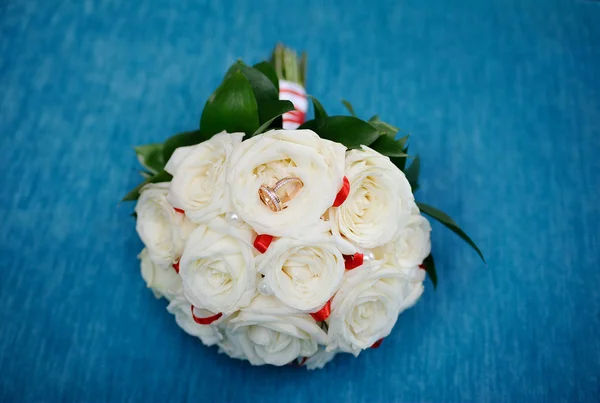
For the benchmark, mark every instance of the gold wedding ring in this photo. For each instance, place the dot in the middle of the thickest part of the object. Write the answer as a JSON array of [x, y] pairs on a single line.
[[268, 195]]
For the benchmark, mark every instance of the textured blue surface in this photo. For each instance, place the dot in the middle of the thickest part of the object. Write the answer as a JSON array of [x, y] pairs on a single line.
[[503, 101]]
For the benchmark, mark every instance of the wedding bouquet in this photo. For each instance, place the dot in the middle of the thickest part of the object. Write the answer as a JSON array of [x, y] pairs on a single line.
[[282, 240]]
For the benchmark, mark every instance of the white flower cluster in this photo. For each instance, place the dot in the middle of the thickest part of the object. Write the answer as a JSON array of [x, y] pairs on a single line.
[[301, 284]]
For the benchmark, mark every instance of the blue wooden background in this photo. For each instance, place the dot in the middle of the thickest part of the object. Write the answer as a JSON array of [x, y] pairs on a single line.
[[503, 101]]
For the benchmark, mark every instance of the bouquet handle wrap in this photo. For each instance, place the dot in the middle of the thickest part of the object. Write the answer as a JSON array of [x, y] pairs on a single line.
[[294, 92]]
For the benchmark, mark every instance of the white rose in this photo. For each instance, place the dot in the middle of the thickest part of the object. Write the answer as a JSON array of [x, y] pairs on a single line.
[[277, 154], [413, 244], [181, 308], [233, 350], [163, 280], [379, 201], [162, 229], [217, 266], [302, 274], [365, 308], [199, 176], [411, 287], [320, 359], [268, 332]]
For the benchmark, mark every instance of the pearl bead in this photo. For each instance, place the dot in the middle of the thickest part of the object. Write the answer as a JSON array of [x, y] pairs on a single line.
[[233, 218], [368, 257], [264, 288]]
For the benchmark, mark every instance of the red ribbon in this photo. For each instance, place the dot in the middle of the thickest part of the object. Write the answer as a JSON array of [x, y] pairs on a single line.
[[295, 116], [422, 266], [322, 314], [353, 261], [303, 361], [205, 321], [377, 343], [262, 242], [176, 266], [292, 91], [342, 194], [179, 210]]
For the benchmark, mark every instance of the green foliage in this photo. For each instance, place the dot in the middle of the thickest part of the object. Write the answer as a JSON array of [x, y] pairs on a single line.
[[412, 173], [384, 128], [232, 107], [388, 146], [274, 109], [348, 130], [267, 69], [429, 264], [349, 106], [318, 109], [450, 224], [162, 176], [150, 157]]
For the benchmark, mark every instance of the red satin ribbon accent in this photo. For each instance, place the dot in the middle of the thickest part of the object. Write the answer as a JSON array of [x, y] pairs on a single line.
[[295, 116], [205, 321], [292, 91], [377, 343], [353, 261], [176, 267], [294, 119], [422, 266], [262, 242], [342, 194], [323, 314], [303, 361], [179, 210]]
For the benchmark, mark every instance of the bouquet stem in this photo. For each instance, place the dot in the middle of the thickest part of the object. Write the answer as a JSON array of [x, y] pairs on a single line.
[[288, 66]]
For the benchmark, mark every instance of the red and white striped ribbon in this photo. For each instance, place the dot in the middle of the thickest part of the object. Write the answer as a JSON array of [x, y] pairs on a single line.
[[295, 93]]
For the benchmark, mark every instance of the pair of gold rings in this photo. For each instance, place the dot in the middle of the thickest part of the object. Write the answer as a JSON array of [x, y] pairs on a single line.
[[268, 195]]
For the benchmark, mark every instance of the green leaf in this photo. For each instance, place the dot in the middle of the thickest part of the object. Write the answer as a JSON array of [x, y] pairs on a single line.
[[412, 173], [182, 140], [348, 130], [146, 174], [267, 69], [318, 109], [403, 141], [234, 68], [151, 157], [450, 224], [232, 107], [264, 90], [400, 162], [274, 109], [388, 146], [162, 176], [348, 106], [429, 264], [384, 128]]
